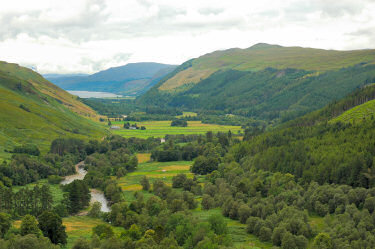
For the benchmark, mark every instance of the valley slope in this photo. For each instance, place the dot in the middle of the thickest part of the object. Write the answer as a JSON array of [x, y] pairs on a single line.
[[266, 82], [34, 111]]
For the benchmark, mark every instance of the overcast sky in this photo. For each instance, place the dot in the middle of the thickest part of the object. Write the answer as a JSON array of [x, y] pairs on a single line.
[[85, 36]]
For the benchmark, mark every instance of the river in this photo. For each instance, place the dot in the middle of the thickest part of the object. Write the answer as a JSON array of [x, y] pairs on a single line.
[[96, 195]]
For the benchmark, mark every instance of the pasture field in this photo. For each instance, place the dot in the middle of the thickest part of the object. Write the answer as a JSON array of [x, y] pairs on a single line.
[[162, 128], [153, 170]]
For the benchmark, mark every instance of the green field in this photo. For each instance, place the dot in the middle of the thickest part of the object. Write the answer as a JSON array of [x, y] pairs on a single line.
[[153, 170], [162, 128]]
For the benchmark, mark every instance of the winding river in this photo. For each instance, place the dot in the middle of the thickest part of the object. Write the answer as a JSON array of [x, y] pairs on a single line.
[[96, 195]]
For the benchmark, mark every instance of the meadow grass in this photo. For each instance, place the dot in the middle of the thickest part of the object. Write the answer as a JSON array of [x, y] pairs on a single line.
[[162, 128], [143, 157]]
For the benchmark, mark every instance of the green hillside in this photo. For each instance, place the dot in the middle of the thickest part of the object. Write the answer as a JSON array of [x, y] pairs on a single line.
[[265, 82], [358, 113], [261, 56], [34, 111]]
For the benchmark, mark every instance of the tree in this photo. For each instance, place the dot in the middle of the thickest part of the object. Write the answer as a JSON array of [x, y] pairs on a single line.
[[51, 225], [218, 224], [81, 243], [79, 195], [179, 122], [104, 231], [134, 232], [265, 234], [370, 204], [30, 241], [132, 164], [95, 210], [29, 225], [288, 241], [5, 224], [204, 165], [322, 241], [207, 202], [145, 183], [178, 180]]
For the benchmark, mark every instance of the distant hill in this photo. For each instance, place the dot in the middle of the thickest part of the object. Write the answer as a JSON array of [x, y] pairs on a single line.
[[132, 79], [34, 111], [267, 82]]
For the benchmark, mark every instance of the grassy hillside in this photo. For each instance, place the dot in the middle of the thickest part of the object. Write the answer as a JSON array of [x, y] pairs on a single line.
[[261, 56], [34, 111], [264, 82], [358, 113]]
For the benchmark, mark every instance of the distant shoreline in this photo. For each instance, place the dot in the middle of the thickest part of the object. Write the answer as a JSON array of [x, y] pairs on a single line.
[[89, 94]]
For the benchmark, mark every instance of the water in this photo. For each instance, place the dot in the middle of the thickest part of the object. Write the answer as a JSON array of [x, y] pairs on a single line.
[[88, 94], [96, 195]]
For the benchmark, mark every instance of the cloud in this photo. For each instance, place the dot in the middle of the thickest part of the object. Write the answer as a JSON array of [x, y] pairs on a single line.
[[89, 35]]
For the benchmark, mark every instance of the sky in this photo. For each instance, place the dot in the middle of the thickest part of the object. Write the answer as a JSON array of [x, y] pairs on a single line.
[[86, 36]]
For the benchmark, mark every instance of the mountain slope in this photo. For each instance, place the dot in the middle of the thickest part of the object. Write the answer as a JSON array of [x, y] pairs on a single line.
[[332, 145], [131, 79], [264, 82], [34, 111]]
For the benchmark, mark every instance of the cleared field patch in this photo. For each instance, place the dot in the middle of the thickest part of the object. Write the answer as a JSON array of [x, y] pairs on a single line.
[[187, 114], [133, 187], [357, 114], [143, 157], [153, 170], [162, 128], [175, 168]]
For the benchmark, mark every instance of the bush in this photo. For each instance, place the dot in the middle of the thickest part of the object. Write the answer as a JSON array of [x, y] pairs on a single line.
[[95, 210], [265, 234], [30, 149], [104, 231], [54, 179], [179, 123], [178, 181]]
